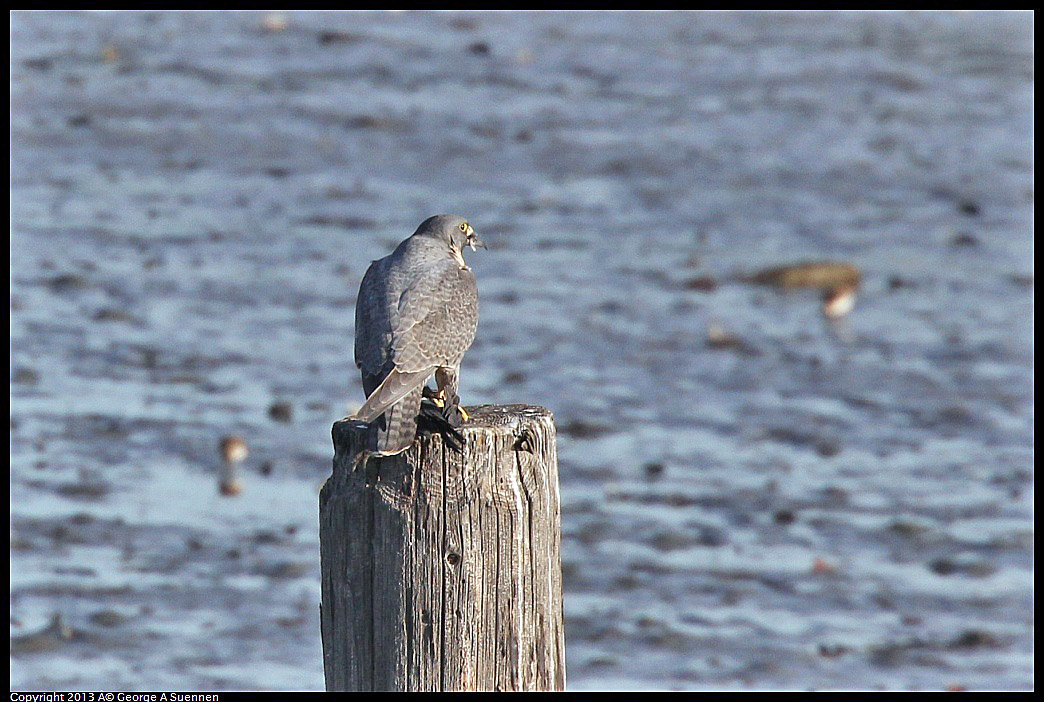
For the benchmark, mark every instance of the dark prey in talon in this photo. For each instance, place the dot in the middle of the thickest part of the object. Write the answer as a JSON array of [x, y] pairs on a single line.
[[432, 420], [449, 407], [415, 317]]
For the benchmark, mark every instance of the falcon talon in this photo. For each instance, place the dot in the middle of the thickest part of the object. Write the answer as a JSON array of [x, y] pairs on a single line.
[[524, 442], [434, 421], [463, 413], [360, 458], [439, 399]]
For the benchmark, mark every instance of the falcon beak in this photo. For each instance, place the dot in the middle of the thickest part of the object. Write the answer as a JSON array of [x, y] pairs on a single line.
[[473, 240]]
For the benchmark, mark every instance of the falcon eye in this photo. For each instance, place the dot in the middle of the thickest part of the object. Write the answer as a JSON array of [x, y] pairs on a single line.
[[463, 226]]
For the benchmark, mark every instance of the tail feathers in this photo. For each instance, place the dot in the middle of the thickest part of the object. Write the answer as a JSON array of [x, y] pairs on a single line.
[[399, 427]]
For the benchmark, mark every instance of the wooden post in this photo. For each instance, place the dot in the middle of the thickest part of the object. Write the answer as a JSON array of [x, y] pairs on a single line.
[[442, 571]]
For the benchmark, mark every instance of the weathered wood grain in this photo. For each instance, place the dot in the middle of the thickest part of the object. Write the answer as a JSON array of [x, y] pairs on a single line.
[[442, 571]]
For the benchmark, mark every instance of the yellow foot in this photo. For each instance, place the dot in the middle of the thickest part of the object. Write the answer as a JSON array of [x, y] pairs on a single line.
[[440, 399], [463, 413]]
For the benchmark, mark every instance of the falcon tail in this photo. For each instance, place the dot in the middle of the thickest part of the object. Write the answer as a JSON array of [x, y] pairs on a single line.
[[399, 428]]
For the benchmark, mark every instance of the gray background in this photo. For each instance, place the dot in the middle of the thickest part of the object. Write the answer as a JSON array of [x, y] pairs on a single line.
[[196, 197]]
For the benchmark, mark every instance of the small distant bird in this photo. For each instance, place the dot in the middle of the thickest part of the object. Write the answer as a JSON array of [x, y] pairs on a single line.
[[233, 452], [415, 317], [274, 22], [838, 281], [839, 301], [51, 637]]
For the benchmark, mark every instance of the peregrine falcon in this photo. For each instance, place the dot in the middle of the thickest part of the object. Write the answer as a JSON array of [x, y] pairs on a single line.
[[415, 317]]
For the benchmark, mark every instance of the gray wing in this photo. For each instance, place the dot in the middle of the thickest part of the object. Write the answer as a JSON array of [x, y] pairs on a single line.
[[431, 324], [438, 316], [378, 297]]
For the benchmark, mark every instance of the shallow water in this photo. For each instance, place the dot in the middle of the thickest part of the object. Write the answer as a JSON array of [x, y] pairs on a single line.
[[812, 506]]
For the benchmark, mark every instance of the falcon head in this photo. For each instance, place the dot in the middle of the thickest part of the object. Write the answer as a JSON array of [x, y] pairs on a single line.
[[453, 231]]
